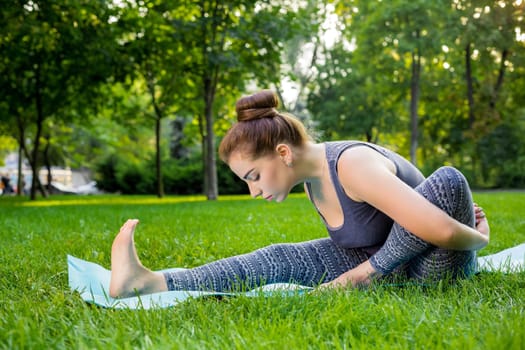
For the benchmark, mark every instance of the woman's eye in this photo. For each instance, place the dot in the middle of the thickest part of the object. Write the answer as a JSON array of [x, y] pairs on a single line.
[[256, 178]]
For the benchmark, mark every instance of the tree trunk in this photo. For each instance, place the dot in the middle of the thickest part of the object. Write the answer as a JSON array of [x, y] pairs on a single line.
[[38, 183], [200, 123], [158, 121], [158, 160], [23, 149], [368, 135], [212, 191], [47, 163], [414, 102], [499, 81], [471, 105], [211, 186], [39, 124], [20, 182], [470, 87]]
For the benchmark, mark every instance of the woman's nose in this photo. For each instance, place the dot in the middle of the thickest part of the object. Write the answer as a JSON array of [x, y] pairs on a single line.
[[254, 191]]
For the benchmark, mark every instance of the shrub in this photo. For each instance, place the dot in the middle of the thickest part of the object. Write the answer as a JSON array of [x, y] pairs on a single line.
[[180, 176]]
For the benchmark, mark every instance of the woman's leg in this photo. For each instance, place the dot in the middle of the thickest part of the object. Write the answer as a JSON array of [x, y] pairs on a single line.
[[448, 189], [306, 263]]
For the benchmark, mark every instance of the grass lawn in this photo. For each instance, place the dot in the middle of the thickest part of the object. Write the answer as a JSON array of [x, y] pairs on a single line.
[[38, 311]]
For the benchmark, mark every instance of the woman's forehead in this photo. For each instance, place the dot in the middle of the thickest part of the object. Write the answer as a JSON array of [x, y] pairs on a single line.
[[241, 163]]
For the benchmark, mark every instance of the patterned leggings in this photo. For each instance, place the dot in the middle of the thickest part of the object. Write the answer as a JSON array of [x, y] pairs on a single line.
[[313, 262]]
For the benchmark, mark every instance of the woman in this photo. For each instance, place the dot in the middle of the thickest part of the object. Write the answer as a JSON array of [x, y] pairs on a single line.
[[383, 216]]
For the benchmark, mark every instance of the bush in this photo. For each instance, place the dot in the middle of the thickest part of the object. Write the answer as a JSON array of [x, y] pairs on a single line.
[[106, 174], [182, 177], [229, 183], [137, 180], [504, 164]]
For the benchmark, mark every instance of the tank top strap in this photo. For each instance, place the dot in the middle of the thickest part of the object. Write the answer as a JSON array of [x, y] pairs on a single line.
[[333, 153]]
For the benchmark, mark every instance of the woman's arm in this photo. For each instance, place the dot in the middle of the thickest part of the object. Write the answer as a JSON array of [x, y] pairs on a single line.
[[372, 179], [365, 272]]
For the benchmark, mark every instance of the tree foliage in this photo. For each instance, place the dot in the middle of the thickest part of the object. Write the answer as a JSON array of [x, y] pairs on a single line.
[[85, 83], [444, 67], [53, 57]]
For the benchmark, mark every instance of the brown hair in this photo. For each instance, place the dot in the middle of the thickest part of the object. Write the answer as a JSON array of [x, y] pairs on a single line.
[[261, 127]]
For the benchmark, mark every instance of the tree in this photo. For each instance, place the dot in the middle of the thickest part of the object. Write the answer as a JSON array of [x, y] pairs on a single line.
[[54, 57], [152, 45], [410, 33], [353, 96], [230, 43], [487, 37], [301, 57]]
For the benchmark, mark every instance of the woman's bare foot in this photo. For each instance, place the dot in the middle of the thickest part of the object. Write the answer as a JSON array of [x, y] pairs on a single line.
[[128, 276]]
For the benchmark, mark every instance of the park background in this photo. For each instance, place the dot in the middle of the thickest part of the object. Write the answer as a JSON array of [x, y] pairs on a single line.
[[137, 94]]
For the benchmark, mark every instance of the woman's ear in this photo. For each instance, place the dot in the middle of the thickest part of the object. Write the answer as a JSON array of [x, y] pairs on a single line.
[[285, 153]]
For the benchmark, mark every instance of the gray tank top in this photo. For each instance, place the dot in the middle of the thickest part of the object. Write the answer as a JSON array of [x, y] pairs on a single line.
[[364, 226]]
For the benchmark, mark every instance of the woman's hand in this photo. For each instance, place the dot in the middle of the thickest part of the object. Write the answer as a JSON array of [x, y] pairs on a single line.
[[359, 276], [482, 224]]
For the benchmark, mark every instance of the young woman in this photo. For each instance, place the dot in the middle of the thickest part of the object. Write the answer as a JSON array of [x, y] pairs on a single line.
[[382, 215]]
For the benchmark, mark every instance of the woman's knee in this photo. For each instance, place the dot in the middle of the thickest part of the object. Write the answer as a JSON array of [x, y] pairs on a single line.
[[452, 176], [448, 189]]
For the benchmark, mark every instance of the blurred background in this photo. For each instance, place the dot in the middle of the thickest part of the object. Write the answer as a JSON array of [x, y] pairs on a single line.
[[134, 96]]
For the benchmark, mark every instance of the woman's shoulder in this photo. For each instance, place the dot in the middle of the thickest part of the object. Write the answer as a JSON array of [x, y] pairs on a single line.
[[362, 154], [355, 147], [334, 149]]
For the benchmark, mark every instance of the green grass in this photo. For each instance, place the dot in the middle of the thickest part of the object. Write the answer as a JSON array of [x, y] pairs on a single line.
[[38, 311]]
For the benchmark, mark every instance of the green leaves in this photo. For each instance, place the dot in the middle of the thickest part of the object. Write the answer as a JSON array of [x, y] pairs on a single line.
[[349, 62], [465, 87]]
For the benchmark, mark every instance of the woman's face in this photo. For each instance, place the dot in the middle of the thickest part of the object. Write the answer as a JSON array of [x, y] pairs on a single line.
[[268, 177]]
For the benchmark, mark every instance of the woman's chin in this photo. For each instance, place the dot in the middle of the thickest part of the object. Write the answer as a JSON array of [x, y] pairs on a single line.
[[279, 198]]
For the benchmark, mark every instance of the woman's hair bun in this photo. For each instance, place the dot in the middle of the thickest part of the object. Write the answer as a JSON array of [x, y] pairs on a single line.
[[259, 105]]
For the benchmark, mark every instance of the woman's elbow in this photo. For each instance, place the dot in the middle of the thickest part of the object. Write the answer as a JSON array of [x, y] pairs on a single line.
[[462, 237]]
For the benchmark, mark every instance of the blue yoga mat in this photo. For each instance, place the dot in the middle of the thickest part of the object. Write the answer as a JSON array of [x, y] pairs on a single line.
[[92, 282]]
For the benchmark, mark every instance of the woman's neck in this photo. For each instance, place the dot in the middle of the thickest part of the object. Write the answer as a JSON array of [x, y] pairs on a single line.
[[310, 162]]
